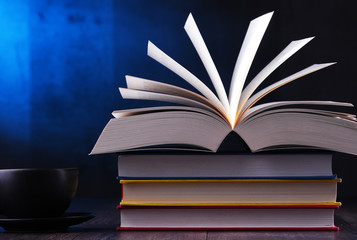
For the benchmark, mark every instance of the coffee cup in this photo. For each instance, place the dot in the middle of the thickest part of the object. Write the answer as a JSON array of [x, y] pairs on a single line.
[[37, 193]]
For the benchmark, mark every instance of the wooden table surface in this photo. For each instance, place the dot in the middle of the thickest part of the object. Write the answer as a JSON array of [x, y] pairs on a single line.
[[104, 224]]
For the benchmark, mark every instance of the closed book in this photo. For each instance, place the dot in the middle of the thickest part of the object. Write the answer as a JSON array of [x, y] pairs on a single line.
[[288, 217], [227, 191], [238, 165]]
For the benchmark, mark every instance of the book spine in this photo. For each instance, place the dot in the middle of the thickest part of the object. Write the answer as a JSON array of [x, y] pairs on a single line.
[[122, 192]]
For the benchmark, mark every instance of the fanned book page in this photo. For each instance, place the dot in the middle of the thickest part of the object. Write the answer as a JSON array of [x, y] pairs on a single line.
[[201, 121]]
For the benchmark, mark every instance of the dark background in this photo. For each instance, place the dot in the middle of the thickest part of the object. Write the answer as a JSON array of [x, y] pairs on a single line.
[[62, 62]]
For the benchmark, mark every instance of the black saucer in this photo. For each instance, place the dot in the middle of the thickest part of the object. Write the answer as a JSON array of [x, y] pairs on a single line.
[[58, 224]]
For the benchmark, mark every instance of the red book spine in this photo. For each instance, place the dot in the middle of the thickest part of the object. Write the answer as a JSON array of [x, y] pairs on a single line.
[[334, 228], [222, 207]]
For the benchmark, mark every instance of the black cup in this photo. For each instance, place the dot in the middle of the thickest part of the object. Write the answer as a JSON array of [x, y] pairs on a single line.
[[37, 193]]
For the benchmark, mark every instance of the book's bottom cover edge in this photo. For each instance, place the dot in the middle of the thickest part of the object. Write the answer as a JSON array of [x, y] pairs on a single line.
[[334, 228]]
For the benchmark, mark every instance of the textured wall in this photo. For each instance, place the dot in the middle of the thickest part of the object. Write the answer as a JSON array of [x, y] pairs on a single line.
[[62, 61]]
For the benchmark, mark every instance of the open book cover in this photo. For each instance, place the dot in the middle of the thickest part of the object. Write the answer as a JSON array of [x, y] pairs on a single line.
[[201, 120]]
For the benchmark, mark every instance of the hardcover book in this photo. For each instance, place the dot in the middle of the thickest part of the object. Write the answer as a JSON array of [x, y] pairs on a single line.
[[225, 165], [228, 218], [200, 192]]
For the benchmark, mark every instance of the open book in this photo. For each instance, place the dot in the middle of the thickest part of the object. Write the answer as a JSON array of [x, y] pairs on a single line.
[[201, 121]]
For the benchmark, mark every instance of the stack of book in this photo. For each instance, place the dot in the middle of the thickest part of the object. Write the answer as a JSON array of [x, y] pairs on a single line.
[[232, 191], [227, 191]]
